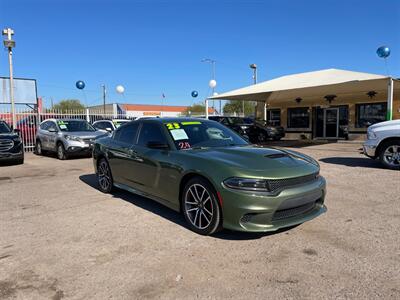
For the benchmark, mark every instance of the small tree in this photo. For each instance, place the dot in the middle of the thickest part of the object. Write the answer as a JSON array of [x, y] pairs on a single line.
[[195, 109], [69, 104], [236, 106]]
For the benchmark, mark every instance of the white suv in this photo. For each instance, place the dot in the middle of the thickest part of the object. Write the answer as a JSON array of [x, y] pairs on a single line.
[[383, 142]]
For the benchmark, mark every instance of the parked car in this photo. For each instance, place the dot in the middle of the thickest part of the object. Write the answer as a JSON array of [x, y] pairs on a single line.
[[11, 145], [261, 131], [210, 174], [109, 125], [66, 137], [240, 125], [383, 143]]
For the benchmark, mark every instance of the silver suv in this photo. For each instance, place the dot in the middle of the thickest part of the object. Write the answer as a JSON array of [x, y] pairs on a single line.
[[66, 137]]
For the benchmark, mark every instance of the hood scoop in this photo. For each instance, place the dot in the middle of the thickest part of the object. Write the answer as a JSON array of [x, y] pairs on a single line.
[[276, 155]]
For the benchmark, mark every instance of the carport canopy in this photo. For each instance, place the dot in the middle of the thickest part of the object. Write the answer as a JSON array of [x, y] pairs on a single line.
[[310, 85]]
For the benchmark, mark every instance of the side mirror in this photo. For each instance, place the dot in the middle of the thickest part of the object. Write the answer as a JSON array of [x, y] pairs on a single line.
[[51, 129], [108, 129], [157, 145], [17, 131]]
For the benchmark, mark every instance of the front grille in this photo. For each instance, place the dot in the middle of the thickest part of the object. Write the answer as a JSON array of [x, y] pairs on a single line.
[[292, 212], [88, 140], [6, 145], [279, 184]]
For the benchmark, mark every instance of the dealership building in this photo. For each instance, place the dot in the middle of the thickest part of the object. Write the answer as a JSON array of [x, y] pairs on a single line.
[[326, 104]]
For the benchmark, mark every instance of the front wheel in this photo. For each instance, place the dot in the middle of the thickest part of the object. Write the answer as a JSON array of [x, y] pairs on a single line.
[[38, 148], [200, 207], [104, 176], [61, 152], [390, 154]]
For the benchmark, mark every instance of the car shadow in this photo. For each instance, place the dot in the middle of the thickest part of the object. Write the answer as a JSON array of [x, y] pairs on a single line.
[[171, 215], [353, 162]]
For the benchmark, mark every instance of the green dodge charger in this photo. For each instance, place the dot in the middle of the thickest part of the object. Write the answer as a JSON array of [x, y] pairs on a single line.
[[210, 174]]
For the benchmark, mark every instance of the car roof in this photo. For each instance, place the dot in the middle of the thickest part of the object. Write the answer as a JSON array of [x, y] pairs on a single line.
[[66, 119], [172, 120]]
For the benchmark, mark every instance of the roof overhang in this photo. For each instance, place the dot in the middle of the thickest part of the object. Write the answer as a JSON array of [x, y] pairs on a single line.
[[290, 87]]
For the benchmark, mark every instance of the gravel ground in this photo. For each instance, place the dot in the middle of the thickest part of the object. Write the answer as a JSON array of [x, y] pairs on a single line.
[[62, 238]]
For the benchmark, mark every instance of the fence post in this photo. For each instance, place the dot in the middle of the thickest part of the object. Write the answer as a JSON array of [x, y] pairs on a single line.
[[87, 115]]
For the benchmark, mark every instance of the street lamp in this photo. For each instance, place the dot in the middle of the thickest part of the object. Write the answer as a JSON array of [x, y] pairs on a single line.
[[254, 68], [9, 43], [212, 84]]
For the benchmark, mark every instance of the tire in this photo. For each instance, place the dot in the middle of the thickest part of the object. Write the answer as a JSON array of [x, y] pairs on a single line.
[[261, 137], [200, 207], [61, 155], [389, 154], [38, 148], [104, 176]]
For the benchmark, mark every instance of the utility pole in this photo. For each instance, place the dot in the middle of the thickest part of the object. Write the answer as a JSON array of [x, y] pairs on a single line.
[[10, 43], [104, 98]]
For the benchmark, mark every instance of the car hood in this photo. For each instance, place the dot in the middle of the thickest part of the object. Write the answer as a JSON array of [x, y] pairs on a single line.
[[264, 162], [8, 135], [86, 134], [384, 124]]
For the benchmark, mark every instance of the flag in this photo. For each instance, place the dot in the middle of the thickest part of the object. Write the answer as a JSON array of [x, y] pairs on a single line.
[[163, 95]]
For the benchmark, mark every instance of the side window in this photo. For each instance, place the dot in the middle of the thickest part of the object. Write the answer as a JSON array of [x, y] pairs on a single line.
[[126, 134], [52, 125], [224, 121], [100, 125], [151, 132], [44, 125]]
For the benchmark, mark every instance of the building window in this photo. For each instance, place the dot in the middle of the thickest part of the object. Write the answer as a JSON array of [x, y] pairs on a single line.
[[370, 113], [274, 117], [298, 117]]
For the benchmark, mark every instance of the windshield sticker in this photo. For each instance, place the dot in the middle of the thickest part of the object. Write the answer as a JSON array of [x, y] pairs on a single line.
[[179, 134], [62, 123], [191, 123], [184, 145], [172, 126], [62, 126]]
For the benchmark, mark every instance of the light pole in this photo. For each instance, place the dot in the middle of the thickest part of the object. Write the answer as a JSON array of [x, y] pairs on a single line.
[[103, 86], [212, 82], [10, 43]]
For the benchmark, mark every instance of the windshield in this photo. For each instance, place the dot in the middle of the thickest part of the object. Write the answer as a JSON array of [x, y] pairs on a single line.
[[240, 121], [75, 125], [4, 128], [197, 134]]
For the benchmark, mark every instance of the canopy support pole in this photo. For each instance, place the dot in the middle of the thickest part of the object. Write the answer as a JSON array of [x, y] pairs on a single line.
[[389, 115], [265, 110], [207, 108]]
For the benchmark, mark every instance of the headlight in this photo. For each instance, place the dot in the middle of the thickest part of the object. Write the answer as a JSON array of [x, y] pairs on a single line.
[[72, 138], [247, 184], [17, 139], [371, 135]]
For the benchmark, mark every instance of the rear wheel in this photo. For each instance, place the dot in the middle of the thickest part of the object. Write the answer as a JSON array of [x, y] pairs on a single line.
[[390, 154], [200, 207], [104, 176], [61, 152]]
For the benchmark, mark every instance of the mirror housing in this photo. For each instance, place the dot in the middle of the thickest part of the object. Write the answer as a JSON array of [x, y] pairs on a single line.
[[17, 131], [108, 129], [52, 130], [157, 145]]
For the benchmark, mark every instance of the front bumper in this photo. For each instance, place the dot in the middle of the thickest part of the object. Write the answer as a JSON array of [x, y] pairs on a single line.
[[15, 153], [76, 147], [259, 212], [369, 148]]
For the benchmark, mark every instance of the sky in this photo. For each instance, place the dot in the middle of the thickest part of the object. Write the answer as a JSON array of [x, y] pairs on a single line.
[[155, 47]]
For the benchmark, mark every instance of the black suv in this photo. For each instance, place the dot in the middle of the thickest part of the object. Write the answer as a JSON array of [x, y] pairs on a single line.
[[240, 125], [11, 146], [261, 130]]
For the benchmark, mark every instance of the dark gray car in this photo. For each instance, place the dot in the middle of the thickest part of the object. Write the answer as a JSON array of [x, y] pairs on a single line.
[[66, 137]]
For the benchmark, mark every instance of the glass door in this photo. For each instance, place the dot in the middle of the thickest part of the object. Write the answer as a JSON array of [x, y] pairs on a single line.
[[331, 122]]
